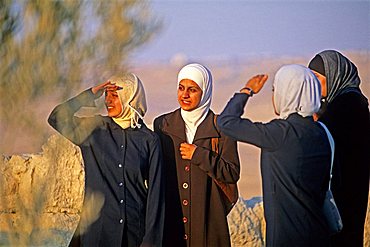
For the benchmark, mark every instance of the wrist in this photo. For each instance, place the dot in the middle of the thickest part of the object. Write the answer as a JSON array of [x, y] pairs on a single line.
[[247, 90]]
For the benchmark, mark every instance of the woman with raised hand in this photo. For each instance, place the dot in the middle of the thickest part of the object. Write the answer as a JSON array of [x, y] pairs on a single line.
[[295, 155], [345, 112], [196, 209], [123, 165]]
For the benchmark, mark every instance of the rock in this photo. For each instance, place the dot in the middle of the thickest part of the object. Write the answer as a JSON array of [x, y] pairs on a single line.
[[246, 223], [41, 195]]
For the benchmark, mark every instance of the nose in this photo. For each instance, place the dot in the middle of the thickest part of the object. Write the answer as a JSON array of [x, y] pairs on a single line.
[[108, 99], [185, 94]]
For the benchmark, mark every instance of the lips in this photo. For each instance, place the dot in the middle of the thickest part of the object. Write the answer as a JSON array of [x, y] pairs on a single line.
[[186, 102]]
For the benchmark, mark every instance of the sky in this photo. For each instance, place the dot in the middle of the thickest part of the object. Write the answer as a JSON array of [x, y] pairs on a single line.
[[230, 29]]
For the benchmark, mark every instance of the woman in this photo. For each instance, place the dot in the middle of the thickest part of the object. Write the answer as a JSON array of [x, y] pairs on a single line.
[[123, 163], [346, 114], [195, 208], [295, 156]]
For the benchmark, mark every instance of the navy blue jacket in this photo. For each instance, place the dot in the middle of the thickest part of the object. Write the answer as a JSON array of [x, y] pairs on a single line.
[[295, 165], [125, 165]]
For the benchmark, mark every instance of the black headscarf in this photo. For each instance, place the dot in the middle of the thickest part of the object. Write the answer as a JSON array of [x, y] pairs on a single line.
[[341, 74]]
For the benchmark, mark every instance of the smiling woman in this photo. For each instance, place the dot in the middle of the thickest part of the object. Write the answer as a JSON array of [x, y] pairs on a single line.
[[195, 212]]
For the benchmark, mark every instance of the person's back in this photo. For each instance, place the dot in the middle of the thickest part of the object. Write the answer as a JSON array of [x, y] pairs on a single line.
[[295, 156], [295, 170]]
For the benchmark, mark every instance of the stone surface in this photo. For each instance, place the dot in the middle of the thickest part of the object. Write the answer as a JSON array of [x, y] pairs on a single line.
[[41, 197]]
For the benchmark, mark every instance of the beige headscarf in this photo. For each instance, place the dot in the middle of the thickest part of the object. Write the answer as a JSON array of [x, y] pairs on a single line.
[[132, 96]]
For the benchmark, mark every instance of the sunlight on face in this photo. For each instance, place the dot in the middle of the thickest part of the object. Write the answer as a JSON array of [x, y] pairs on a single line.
[[113, 103], [189, 95]]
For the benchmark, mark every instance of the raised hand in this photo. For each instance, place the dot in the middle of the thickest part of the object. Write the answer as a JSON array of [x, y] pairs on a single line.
[[254, 84], [106, 86]]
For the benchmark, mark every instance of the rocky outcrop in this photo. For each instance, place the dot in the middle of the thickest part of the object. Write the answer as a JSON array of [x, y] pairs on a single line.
[[41, 198], [41, 195], [246, 223]]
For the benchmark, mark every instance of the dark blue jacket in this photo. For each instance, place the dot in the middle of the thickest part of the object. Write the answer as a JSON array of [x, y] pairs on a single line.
[[125, 165], [295, 165]]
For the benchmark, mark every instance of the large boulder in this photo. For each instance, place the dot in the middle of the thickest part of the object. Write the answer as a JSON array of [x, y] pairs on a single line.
[[41, 195]]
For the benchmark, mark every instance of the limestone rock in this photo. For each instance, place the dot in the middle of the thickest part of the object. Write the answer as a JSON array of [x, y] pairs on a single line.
[[246, 223], [41, 195]]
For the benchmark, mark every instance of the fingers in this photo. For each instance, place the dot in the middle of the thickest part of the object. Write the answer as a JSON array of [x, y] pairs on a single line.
[[187, 150], [111, 86], [257, 82]]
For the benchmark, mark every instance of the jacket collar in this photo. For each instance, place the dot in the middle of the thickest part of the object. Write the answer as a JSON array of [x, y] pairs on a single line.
[[174, 125]]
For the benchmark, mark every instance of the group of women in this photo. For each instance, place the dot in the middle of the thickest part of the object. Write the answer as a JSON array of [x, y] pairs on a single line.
[[167, 187]]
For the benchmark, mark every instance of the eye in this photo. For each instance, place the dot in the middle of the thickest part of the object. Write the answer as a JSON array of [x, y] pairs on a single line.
[[181, 87]]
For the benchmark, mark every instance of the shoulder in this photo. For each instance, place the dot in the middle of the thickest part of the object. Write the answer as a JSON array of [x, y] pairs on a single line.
[[166, 118]]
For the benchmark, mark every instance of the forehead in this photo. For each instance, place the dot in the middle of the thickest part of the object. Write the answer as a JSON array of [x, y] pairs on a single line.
[[188, 83]]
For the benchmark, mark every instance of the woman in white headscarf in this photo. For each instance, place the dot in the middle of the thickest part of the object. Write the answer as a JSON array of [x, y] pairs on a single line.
[[196, 207], [123, 165], [295, 156]]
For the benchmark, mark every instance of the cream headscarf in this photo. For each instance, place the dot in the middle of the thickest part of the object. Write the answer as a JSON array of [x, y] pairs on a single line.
[[296, 89], [132, 96], [203, 78]]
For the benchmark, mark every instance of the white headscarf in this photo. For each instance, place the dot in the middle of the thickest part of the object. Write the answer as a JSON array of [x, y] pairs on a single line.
[[203, 78], [296, 89], [132, 96]]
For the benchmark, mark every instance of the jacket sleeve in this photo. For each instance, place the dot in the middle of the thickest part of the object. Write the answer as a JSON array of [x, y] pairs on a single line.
[[154, 222], [269, 136], [63, 118], [225, 165]]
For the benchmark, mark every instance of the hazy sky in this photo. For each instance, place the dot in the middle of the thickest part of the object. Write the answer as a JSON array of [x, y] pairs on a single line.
[[240, 29]]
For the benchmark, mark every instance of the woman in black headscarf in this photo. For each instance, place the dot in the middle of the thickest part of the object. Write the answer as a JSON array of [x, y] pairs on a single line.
[[346, 114]]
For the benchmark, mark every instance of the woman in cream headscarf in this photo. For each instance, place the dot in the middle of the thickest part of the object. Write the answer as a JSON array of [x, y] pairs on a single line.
[[295, 156], [123, 165], [195, 206]]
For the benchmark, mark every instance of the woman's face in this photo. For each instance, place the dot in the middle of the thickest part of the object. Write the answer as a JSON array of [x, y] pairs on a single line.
[[322, 79], [113, 103], [189, 95]]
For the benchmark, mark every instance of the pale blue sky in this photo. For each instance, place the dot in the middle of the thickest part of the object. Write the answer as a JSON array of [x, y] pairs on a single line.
[[240, 29]]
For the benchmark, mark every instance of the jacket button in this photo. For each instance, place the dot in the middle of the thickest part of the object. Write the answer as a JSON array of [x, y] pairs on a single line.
[[122, 146], [185, 220], [121, 221], [185, 185], [120, 165], [120, 184], [185, 202], [187, 168], [121, 201], [186, 236]]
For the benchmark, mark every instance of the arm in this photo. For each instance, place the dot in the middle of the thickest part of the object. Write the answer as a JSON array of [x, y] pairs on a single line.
[[244, 130], [155, 202], [225, 165], [63, 118]]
